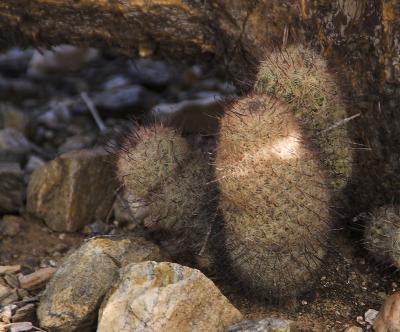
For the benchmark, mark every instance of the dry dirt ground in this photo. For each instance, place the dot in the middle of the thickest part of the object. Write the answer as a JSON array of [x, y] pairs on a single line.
[[350, 283]]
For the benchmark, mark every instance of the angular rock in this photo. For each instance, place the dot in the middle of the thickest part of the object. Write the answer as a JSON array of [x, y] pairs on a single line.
[[73, 190], [264, 325], [165, 297], [9, 269], [14, 147], [12, 187], [25, 313], [15, 61], [73, 295], [193, 116], [354, 329], [388, 317], [33, 163], [118, 101], [155, 74], [36, 279]]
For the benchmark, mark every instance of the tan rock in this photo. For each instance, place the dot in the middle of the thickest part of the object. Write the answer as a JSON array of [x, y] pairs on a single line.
[[73, 295], [388, 319], [9, 269], [72, 190], [165, 297], [37, 279], [354, 329]]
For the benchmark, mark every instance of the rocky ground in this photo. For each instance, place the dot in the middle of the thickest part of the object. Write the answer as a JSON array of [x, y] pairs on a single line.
[[62, 115]]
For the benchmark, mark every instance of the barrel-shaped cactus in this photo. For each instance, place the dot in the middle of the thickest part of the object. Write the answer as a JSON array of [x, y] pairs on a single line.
[[274, 198], [382, 234], [300, 77], [169, 179]]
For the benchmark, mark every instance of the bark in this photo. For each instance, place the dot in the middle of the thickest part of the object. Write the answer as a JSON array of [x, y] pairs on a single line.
[[361, 38]]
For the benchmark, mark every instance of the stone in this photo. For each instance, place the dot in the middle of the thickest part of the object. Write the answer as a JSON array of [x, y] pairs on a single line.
[[76, 143], [25, 313], [15, 61], [154, 74], [10, 225], [354, 329], [9, 269], [14, 146], [192, 116], [73, 190], [18, 88], [72, 297], [36, 279], [166, 297], [264, 325], [33, 163], [60, 59], [126, 99], [115, 82], [370, 316], [387, 319], [12, 187], [4, 291], [21, 327], [11, 117]]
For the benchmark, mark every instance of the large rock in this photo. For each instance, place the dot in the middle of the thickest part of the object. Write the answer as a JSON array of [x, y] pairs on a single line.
[[73, 190], [14, 147], [12, 187], [73, 295], [264, 325], [388, 317], [165, 297]]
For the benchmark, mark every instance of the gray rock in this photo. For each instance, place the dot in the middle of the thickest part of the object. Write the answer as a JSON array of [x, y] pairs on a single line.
[[14, 147], [155, 74], [116, 81], [76, 143], [264, 325], [15, 61], [126, 99], [193, 116], [73, 295], [73, 190], [33, 163], [12, 187], [166, 297], [18, 88]]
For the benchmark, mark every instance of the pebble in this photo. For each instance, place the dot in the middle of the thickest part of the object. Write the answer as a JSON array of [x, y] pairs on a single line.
[[25, 313], [354, 329], [12, 187], [36, 279], [14, 147], [264, 325], [370, 316], [4, 269], [10, 225]]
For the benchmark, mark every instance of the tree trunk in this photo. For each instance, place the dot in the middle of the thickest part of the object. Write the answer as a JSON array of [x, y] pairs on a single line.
[[361, 38]]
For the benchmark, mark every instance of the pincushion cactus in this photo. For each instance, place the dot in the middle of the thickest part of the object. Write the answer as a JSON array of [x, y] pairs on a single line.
[[300, 77], [159, 169], [382, 234], [274, 198]]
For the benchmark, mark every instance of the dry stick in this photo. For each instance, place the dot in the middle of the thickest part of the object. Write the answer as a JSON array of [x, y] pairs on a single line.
[[90, 105], [341, 122]]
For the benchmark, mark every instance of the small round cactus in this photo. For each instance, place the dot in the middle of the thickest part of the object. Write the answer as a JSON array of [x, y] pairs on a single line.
[[160, 170], [382, 234], [274, 198], [299, 77]]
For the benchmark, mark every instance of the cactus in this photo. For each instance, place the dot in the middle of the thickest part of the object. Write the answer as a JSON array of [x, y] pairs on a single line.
[[161, 170], [382, 234], [274, 198], [300, 78]]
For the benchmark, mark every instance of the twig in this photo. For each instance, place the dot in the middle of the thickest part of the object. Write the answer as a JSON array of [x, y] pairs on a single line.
[[90, 105], [341, 122]]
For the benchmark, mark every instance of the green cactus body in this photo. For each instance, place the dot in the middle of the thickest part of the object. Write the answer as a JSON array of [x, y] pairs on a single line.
[[274, 198], [158, 167], [300, 78], [382, 234]]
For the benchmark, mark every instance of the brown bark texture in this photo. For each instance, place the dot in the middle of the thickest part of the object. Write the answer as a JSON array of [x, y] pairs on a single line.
[[360, 38]]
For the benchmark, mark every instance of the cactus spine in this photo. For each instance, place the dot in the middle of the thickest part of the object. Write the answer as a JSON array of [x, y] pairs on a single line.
[[274, 198], [300, 78]]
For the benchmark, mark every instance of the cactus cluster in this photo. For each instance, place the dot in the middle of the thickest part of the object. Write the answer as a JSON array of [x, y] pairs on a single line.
[[300, 77], [382, 234], [161, 170], [274, 198]]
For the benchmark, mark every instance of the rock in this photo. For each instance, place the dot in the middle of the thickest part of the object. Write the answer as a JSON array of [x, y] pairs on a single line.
[[116, 81], [73, 190], [15, 61], [14, 147], [165, 297], [25, 313], [11, 298], [128, 99], [36, 279], [387, 319], [4, 291], [33, 163], [10, 226], [73, 295], [21, 327], [18, 88], [9, 269], [354, 329], [60, 59], [12, 187], [264, 325], [11, 117], [6, 313], [76, 143], [123, 212], [193, 116], [96, 228], [154, 74], [370, 316]]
